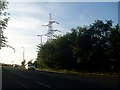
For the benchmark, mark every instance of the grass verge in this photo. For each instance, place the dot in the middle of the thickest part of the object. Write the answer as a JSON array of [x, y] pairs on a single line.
[[73, 72]]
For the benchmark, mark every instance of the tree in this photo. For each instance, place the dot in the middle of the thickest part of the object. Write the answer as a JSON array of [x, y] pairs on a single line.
[[93, 48], [30, 62], [4, 17], [114, 48], [23, 63], [56, 54], [35, 63]]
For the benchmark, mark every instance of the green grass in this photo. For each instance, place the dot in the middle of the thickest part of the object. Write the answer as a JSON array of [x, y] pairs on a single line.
[[114, 74]]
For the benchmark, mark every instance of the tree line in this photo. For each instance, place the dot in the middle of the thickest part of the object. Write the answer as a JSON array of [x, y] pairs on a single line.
[[93, 48]]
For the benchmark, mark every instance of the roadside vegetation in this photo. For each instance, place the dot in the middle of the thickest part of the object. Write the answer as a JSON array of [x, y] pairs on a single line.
[[94, 49], [73, 72]]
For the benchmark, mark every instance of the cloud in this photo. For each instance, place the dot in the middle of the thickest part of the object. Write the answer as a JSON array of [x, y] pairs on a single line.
[[24, 31], [27, 9], [23, 23]]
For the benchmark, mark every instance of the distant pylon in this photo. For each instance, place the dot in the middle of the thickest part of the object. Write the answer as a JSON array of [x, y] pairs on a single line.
[[50, 33]]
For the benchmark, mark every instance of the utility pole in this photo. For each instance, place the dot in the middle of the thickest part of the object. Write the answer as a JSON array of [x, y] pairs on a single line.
[[23, 53], [50, 33], [41, 38]]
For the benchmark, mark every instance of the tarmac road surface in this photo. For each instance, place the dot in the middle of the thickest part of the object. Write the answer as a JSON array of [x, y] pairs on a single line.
[[16, 77]]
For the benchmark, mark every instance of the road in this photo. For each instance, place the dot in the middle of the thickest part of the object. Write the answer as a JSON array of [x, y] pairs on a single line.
[[15, 77]]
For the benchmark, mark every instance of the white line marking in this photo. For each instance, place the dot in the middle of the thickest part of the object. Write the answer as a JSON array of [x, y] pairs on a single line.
[[42, 84], [23, 85]]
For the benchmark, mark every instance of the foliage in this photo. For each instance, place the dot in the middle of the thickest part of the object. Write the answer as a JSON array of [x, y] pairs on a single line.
[[4, 17], [93, 48], [35, 64], [23, 63]]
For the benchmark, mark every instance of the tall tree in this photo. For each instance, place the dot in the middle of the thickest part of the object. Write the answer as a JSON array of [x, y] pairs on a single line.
[[114, 48], [4, 17]]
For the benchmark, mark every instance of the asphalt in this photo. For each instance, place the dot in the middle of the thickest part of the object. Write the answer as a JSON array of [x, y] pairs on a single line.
[[18, 78]]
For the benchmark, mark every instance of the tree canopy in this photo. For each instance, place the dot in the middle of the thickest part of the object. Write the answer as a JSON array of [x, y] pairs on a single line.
[[93, 48], [4, 17]]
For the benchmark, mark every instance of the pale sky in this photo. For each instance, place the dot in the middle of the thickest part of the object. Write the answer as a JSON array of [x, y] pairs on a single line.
[[27, 18]]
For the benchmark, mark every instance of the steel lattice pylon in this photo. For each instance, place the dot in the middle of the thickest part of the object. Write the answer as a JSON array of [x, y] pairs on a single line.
[[50, 34]]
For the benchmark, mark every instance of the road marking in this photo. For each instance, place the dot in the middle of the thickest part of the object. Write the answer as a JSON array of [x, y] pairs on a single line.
[[23, 85], [42, 84]]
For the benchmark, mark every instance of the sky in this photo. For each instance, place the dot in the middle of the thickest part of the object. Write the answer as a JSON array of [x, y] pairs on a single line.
[[27, 18]]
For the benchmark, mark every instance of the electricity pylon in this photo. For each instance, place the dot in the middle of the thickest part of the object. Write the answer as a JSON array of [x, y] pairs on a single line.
[[50, 33]]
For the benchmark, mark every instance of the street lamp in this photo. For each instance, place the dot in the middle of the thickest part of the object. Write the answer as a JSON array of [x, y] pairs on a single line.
[[23, 53]]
